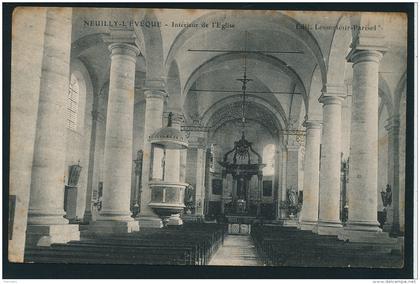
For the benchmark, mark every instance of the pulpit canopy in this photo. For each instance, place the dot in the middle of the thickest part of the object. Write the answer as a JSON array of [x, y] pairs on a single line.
[[169, 137]]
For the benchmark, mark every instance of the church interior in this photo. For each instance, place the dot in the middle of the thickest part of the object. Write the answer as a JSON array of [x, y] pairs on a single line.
[[208, 137]]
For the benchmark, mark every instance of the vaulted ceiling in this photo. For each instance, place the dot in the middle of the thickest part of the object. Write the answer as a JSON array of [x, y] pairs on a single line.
[[200, 65]]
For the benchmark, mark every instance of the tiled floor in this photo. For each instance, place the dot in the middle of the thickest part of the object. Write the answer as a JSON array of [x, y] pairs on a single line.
[[237, 250]]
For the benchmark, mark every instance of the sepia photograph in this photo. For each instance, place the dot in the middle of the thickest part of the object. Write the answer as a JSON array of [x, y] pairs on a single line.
[[209, 137]]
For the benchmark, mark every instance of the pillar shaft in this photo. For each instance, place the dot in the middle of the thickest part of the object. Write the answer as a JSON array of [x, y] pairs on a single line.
[[393, 218], [329, 195], [46, 224], [363, 170], [87, 216], [25, 90], [119, 134], [153, 122], [292, 168], [173, 156], [283, 192], [47, 185], [309, 213], [183, 165], [199, 181]]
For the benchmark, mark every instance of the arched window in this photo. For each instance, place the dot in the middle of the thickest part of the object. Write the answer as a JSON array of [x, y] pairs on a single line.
[[269, 152], [73, 103]]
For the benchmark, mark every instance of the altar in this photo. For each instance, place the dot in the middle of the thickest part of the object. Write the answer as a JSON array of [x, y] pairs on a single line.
[[239, 209]]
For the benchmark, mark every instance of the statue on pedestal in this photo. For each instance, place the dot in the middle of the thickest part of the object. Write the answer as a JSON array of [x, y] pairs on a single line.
[[292, 200], [189, 199], [387, 196]]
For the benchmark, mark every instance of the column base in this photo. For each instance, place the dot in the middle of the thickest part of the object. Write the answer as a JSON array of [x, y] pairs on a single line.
[[307, 225], [45, 235], [175, 220], [87, 217], [327, 228], [388, 226], [393, 229], [149, 222], [365, 236], [113, 227], [290, 223], [193, 218]]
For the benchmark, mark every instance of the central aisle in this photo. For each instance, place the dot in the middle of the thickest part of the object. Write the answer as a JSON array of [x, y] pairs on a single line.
[[237, 250]]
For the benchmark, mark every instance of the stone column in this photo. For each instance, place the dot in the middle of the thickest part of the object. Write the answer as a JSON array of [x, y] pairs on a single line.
[[208, 182], [224, 189], [200, 175], [309, 213], [329, 196], [259, 192], [197, 170], [292, 181], [392, 217], [173, 156], [153, 121], [182, 165], [292, 166], [87, 216], [115, 215], [172, 165], [283, 192], [26, 65], [363, 224], [46, 224], [277, 186]]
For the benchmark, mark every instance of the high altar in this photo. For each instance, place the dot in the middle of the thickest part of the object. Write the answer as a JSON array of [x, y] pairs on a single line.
[[237, 207]]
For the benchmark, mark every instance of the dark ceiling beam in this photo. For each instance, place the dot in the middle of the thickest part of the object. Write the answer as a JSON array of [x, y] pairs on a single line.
[[243, 51], [249, 92]]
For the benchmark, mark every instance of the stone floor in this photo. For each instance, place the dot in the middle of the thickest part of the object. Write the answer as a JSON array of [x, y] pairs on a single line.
[[237, 250]]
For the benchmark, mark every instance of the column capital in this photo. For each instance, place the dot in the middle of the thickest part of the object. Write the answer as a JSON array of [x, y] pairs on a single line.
[[331, 89], [327, 99], [332, 94], [154, 88], [157, 94], [312, 124], [122, 48], [122, 42], [357, 55]]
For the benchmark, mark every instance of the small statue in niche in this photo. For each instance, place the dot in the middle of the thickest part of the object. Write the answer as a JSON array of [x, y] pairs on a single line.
[[189, 199], [292, 200], [98, 202], [387, 196]]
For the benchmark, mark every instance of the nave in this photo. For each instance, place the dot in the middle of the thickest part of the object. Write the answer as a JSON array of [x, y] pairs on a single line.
[[138, 140], [210, 244]]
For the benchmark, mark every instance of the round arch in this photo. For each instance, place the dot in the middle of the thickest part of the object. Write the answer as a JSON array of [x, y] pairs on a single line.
[[385, 94], [276, 21], [173, 87], [400, 92], [151, 45], [268, 59], [338, 51], [279, 114]]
